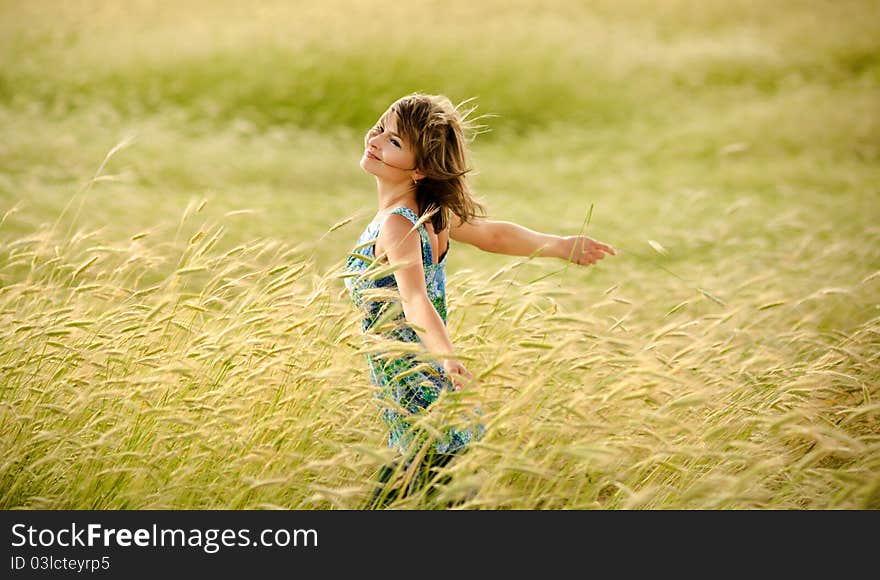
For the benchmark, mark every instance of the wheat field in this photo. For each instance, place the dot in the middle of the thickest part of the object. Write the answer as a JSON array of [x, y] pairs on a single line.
[[179, 189]]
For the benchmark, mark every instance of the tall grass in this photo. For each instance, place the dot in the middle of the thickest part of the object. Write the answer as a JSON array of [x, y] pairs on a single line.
[[174, 334], [173, 374]]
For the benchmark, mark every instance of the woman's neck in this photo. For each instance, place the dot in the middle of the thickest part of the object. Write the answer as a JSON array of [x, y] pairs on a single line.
[[392, 195]]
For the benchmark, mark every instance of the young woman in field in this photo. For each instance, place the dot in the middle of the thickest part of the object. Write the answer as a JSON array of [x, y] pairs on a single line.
[[417, 152]]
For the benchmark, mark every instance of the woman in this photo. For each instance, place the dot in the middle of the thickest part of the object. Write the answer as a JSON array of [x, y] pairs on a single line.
[[417, 152]]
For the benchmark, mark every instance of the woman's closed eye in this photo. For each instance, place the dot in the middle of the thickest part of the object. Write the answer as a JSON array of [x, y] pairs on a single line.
[[379, 129]]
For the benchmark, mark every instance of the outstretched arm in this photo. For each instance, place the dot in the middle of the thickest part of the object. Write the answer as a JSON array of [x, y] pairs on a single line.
[[515, 240]]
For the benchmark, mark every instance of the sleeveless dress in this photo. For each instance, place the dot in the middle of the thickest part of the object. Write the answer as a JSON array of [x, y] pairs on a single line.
[[411, 384]]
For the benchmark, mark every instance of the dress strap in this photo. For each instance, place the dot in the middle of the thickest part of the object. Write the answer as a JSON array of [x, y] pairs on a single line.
[[423, 232]]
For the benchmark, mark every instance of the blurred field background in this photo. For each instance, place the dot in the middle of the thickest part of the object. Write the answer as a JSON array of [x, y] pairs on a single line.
[[173, 333]]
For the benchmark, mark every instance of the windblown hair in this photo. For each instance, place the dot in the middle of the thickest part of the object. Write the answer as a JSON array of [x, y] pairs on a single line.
[[439, 133]]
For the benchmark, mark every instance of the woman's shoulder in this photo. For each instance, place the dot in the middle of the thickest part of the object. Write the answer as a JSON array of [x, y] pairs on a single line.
[[395, 226], [396, 222], [404, 212], [401, 211]]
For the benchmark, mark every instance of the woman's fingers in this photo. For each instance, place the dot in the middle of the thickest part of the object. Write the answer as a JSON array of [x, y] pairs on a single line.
[[456, 372], [600, 248], [462, 373], [591, 251], [606, 248], [590, 258]]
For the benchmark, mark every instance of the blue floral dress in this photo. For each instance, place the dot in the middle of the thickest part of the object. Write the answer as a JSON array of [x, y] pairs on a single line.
[[407, 382]]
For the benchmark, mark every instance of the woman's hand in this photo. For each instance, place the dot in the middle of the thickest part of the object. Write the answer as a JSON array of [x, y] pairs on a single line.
[[584, 250], [456, 372]]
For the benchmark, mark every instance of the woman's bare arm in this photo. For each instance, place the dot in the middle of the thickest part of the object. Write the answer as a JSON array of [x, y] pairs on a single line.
[[404, 249], [509, 238]]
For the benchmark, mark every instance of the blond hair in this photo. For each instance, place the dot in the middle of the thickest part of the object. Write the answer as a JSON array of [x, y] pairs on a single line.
[[439, 133]]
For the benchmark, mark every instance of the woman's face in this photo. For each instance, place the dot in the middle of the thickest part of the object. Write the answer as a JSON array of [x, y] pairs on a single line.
[[387, 155]]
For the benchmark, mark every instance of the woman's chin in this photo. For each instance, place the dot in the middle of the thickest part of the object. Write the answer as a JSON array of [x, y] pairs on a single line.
[[369, 170]]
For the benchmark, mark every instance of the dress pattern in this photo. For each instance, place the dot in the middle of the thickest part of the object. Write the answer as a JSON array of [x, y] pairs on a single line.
[[407, 384]]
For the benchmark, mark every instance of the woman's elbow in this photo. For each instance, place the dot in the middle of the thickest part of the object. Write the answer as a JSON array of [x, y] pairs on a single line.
[[492, 241], [415, 306]]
